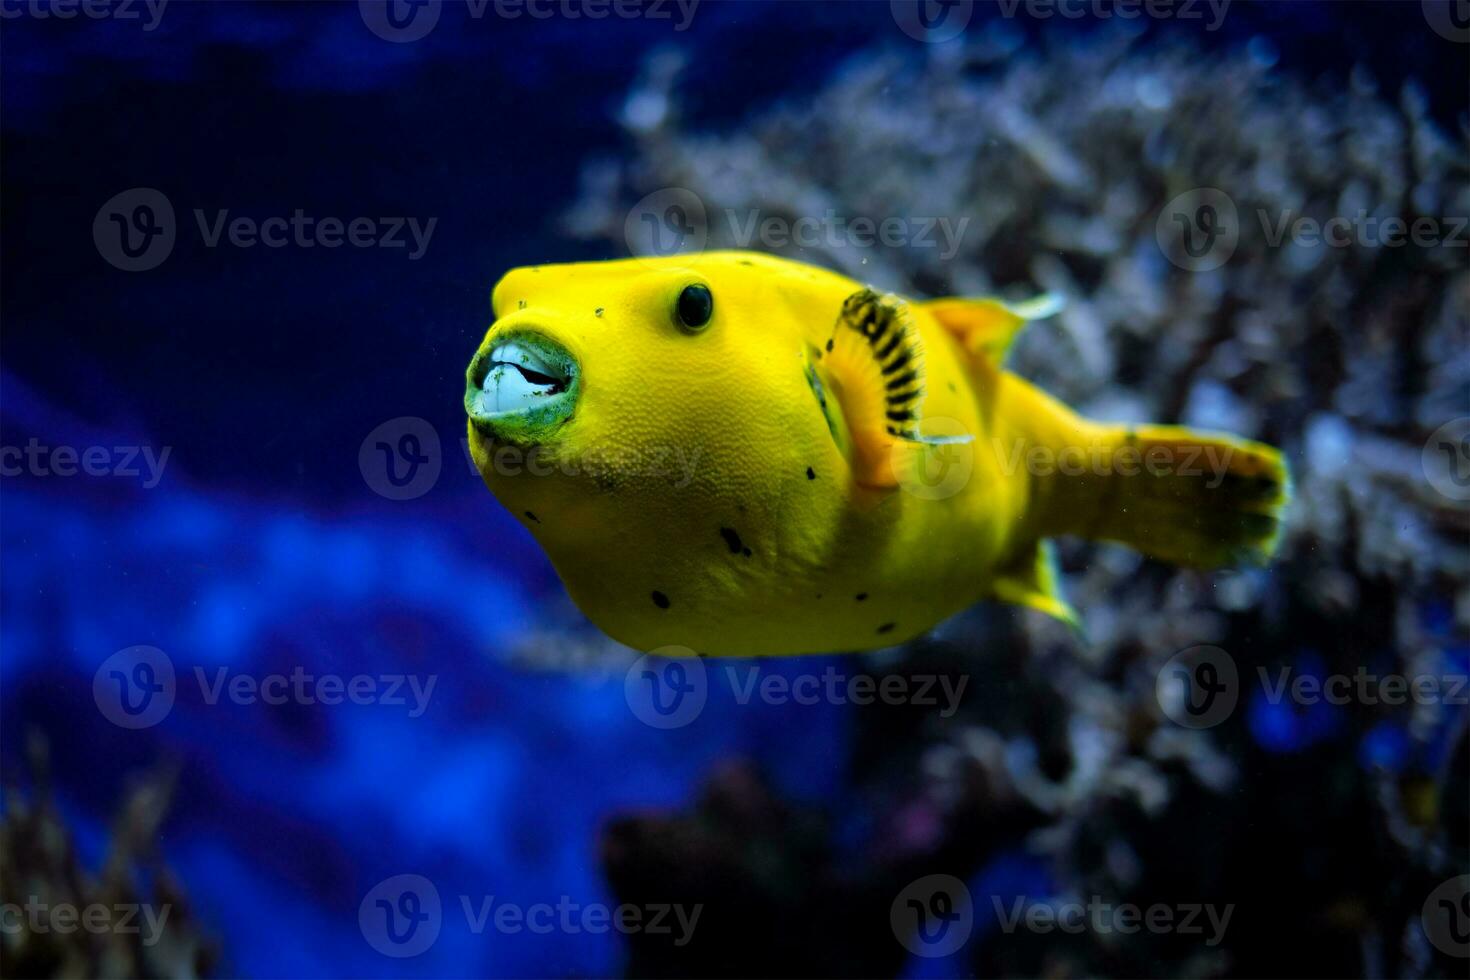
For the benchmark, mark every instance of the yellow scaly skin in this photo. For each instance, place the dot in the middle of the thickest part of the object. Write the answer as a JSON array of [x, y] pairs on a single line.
[[682, 468]]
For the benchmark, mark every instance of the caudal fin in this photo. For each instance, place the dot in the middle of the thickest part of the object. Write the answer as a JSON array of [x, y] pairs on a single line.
[[1193, 498]]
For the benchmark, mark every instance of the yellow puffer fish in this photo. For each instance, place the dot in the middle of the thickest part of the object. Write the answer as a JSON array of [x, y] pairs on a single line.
[[741, 455]]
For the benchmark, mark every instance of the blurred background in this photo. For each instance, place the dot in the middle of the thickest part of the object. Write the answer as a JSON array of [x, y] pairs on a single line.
[[267, 645]]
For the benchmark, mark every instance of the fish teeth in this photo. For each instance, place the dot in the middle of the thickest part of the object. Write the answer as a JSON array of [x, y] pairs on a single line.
[[507, 389], [512, 352]]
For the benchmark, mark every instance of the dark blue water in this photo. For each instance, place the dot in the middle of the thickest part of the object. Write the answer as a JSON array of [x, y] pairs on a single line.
[[262, 549]]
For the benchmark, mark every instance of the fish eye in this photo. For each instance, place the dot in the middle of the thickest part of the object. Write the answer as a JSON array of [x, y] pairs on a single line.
[[695, 307]]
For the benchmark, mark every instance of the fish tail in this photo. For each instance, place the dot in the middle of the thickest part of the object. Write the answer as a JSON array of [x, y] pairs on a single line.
[[1198, 499]]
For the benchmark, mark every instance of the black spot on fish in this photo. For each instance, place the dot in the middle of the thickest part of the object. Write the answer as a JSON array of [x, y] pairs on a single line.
[[732, 539], [521, 304], [886, 628], [861, 596], [533, 517], [659, 599], [811, 474], [745, 262], [597, 312], [829, 344], [953, 389]]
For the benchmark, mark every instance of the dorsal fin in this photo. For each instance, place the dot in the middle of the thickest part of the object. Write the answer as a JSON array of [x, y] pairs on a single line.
[[987, 326], [874, 361]]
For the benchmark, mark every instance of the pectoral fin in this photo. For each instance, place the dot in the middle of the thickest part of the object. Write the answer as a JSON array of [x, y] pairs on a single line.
[[1032, 581], [989, 327], [874, 365]]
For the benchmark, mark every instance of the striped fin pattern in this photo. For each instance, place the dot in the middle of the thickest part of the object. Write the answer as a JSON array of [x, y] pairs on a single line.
[[892, 342]]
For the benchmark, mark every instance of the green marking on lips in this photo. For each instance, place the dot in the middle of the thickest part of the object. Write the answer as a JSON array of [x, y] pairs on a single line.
[[523, 385]]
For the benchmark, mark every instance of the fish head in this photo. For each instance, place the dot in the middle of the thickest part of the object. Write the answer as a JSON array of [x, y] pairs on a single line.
[[598, 359], [637, 407]]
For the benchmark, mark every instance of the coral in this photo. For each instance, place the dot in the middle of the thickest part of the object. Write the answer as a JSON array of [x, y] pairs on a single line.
[[1325, 825], [130, 919]]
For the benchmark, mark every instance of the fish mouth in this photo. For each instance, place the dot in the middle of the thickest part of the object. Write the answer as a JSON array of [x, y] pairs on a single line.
[[519, 383]]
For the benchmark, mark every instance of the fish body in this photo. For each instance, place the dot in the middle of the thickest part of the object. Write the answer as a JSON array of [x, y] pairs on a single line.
[[739, 455]]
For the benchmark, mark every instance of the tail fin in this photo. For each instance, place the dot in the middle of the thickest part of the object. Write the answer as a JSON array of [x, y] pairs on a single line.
[[1193, 498]]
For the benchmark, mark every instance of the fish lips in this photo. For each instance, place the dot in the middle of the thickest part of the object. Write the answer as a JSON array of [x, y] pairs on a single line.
[[520, 386]]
